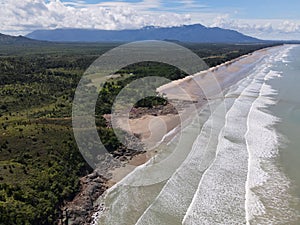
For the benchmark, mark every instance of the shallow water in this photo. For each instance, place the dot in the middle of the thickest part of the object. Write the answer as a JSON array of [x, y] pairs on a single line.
[[236, 163], [287, 108]]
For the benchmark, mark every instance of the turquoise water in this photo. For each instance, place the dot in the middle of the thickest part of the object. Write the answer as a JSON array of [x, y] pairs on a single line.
[[238, 163]]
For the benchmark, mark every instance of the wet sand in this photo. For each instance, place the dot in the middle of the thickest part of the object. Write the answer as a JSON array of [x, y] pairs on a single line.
[[198, 89]]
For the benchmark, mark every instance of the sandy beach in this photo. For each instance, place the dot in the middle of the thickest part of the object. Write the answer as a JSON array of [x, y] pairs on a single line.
[[154, 130], [157, 127]]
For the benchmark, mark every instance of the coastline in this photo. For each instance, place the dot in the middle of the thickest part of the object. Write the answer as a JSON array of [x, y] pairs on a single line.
[[137, 160], [226, 74]]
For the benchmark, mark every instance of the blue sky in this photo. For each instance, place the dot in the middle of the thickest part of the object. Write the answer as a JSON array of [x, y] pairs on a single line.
[[254, 9], [268, 19]]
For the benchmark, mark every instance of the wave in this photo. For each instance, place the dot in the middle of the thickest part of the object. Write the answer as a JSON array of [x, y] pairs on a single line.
[[247, 137], [171, 204], [267, 196], [226, 170], [219, 197], [283, 54], [139, 189], [125, 190]]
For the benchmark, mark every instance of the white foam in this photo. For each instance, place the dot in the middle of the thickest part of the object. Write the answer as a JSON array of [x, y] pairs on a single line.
[[219, 182], [227, 175], [273, 75], [283, 55], [219, 198], [267, 187], [175, 197], [173, 201], [260, 144]]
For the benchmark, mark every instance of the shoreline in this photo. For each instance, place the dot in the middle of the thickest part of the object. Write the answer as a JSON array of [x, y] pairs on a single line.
[[226, 74], [144, 157]]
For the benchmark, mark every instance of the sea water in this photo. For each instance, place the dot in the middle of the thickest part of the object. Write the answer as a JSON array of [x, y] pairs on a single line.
[[236, 164], [283, 197]]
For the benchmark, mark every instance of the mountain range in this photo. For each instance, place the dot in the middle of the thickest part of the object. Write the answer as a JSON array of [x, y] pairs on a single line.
[[188, 33], [7, 39]]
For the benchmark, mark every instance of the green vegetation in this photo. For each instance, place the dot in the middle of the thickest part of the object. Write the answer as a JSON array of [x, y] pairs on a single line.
[[40, 163]]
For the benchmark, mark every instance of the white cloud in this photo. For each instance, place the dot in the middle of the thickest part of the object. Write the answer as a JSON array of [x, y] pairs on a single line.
[[263, 28], [289, 26], [22, 16]]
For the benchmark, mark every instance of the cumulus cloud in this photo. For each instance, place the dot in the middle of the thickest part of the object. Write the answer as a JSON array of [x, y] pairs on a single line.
[[23, 16], [273, 29], [289, 26]]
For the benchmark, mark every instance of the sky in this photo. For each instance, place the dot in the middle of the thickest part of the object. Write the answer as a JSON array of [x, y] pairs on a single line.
[[265, 19]]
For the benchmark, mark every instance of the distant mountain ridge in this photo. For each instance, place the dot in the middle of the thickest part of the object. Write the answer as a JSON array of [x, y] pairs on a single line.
[[187, 33], [7, 39]]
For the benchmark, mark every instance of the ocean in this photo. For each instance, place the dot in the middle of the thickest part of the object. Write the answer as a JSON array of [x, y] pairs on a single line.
[[237, 163]]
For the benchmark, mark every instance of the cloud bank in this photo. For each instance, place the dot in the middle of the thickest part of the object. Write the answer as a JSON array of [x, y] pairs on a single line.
[[272, 29], [23, 16]]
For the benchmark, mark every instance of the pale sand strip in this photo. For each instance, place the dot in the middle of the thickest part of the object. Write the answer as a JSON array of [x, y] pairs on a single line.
[[225, 74]]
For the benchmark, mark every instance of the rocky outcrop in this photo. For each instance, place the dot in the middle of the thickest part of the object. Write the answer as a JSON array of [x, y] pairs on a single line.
[[80, 210], [155, 111]]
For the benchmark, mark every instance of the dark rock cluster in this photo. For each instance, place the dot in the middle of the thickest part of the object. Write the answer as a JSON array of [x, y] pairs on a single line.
[[80, 210]]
